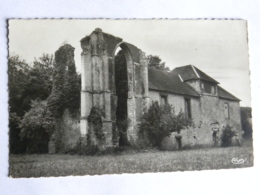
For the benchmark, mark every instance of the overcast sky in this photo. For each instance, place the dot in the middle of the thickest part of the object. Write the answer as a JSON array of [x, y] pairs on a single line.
[[217, 47]]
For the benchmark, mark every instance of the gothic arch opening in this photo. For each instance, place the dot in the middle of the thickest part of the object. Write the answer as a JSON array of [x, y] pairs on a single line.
[[123, 59]]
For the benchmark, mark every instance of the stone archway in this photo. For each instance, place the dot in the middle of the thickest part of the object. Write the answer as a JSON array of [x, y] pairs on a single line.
[[99, 89]]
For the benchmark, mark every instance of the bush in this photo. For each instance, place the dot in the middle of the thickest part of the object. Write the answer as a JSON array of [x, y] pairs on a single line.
[[37, 126], [160, 121], [226, 137]]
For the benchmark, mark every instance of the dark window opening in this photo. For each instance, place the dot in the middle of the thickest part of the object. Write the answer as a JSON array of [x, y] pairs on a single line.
[[207, 87], [187, 108], [164, 99]]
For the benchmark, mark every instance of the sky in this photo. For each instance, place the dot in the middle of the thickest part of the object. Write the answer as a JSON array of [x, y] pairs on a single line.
[[217, 47]]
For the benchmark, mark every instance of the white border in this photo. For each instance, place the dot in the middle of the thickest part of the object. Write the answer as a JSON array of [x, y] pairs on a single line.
[[236, 181]]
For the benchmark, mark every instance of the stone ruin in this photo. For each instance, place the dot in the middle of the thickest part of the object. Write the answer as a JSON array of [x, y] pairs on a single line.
[[99, 93]]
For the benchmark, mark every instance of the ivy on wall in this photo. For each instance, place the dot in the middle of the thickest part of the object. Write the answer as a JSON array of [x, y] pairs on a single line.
[[66, 90], [95, 118]]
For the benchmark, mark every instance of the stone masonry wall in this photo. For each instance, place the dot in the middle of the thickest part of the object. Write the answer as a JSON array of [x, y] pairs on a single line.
[[70, 131], [205, 110]]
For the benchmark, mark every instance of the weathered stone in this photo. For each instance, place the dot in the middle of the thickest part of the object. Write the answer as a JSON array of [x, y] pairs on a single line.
[[99, 68]]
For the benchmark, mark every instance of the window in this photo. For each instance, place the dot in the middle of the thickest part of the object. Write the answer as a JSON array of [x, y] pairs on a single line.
[[226, 107], [187, 108], [207, 87], [213, 90], [163, 99]]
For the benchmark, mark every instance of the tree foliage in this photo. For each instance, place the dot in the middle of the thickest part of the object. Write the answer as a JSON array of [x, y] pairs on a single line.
[[36, 126], [156, 62], [37, 122], [160, 121], [18, 72], [26, 83], [246, 121], [34, 82]]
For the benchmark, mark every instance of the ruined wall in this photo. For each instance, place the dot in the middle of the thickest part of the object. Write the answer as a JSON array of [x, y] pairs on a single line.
[[98, 84], [68, 132], [64, 101]]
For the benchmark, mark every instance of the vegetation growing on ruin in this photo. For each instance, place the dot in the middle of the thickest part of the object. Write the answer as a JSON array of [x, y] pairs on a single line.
[[66, 90], [46, 81], [95, 119]]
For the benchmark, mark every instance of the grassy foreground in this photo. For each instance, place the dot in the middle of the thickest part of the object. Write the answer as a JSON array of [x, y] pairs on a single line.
[[146, 161]]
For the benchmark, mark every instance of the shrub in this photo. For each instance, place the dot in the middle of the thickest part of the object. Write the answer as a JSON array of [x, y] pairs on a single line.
[[37, 126], [226, 137], [160, 121], [138, 144]]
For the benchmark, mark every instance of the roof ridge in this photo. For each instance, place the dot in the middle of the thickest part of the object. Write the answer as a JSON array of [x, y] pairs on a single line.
[[197, 74]]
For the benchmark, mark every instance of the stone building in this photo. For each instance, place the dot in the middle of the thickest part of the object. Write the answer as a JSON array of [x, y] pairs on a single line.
[[200, 97], [115, 97]]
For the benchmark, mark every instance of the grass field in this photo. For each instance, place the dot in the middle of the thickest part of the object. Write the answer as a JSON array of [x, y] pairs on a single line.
[[147, 161]]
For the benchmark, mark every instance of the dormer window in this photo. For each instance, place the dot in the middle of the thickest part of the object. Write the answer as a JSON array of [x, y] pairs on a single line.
[[208, 87]]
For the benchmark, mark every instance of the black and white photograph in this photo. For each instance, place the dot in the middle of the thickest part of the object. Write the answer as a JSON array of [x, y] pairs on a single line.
[[104, 96]]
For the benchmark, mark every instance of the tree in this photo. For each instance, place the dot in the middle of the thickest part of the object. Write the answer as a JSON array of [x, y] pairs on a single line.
[[155, 62], [246, 121], [18, 71], [39, 82], [26, 83], [37, 126], [160, 121]]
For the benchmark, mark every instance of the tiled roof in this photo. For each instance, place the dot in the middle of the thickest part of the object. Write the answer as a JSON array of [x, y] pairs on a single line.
[[171, 82], [189, 72], [164, 81], [222, 93]]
